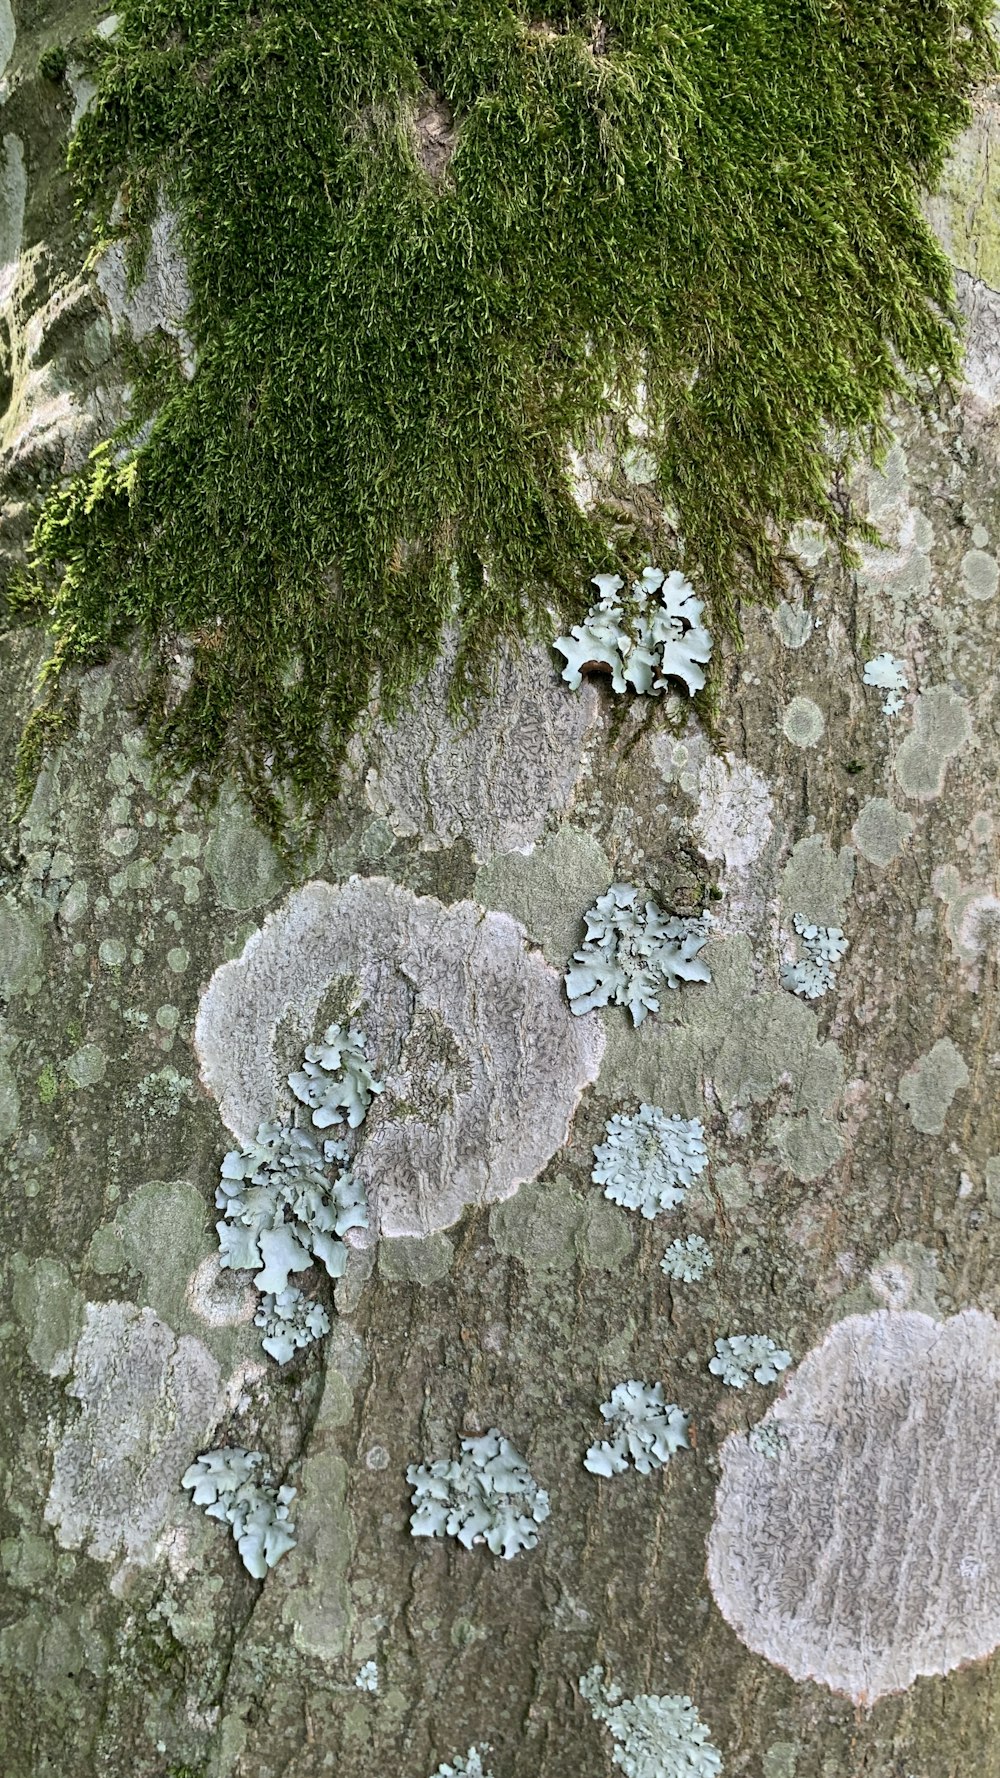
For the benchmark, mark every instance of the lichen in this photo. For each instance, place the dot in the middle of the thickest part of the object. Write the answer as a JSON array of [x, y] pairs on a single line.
[[366, 1678], [646, 1430], [465, 1765], [656, 1737], [235, 1486], [335, 1080], [815, 973], [889, 675], [288, 1321], [287, 1202], [631, 951], [647, 1159], [688, 1260], [653, 635], [487, 1495], [741, 1357]]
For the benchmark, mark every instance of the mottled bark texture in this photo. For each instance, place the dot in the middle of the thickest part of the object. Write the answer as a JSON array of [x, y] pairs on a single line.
[[844, 1624]]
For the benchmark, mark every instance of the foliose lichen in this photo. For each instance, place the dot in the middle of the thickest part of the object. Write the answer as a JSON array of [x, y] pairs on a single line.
[[289, 1321], [645, 1429], [632, 951], [889, 674], [688, 1260], [647, 1159], [815, 973], [743, 1356], [468, 1765], [235, 1485], [487, 1495], [653, 635], [366, 1678], [657, 1737], [335, 1080], [287, 1201]]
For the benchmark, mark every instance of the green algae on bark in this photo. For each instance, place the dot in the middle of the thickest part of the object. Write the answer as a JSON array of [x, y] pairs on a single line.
[[429, 245]]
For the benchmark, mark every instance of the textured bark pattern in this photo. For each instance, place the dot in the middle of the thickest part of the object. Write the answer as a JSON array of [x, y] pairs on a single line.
[[855, 1164]]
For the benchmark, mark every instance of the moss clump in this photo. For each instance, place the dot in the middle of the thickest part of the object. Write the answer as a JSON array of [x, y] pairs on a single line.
[[425, 240]]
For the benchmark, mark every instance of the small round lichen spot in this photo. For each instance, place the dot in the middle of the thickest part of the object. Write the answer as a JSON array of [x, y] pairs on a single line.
[[168, 1018], [87, 1065], [803, 723], [793, 623], [881, 831], [177, 959], [980, 574], [867, 1551], [111, 951]]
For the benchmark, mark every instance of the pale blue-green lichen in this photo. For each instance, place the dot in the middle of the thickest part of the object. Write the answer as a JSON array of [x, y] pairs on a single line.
[[688, 1260], [287, 1201], [487, 1495], [647, 1160], [366, 1678], [632, 951], [235, 1486], [646, 1430], [889, 674], [656, 1737], [816, 973], [653, 635], [468, 1765], [288, 1321], [744, 1356], [335, 1081]]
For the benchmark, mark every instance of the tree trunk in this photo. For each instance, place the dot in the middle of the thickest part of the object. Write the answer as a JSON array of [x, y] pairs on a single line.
[[826, 1589]]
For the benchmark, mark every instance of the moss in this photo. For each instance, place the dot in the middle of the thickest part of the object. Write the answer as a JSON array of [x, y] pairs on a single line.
[[401, 328]]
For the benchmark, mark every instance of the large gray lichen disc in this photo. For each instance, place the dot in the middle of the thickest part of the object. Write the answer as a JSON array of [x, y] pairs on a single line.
[[866, 1550], [482, 1061]]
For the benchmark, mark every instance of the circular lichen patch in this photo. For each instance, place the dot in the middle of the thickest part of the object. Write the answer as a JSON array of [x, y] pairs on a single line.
[[864, 1549], [803, 722]]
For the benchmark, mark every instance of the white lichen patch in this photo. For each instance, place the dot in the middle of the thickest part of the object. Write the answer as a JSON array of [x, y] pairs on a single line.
[[980, 574], [487, 1495], [366, 1678], [889, 675], [289, 1321], [632, 950], [688, 1260], [733, 822], [652, 635], [646, 1430], [867, 1554], [647, 1159], [493, 781], [816, 973], [742, 1358], [656, 1737], [481, 1061], [146, 1397], [235, 1486]]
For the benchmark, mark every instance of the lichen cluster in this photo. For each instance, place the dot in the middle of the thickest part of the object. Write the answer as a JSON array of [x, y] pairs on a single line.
[[399, 334], [653, 635], [288, 1201], [648, 1160], [631, 951], [646, 1430], [741, 1357], [816, 973], [655, 1737], [487, 1495], [687, 1260], [235, 1485]]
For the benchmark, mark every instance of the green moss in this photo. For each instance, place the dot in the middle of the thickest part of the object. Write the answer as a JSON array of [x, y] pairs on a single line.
[[396, 342], [48, 1084]]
